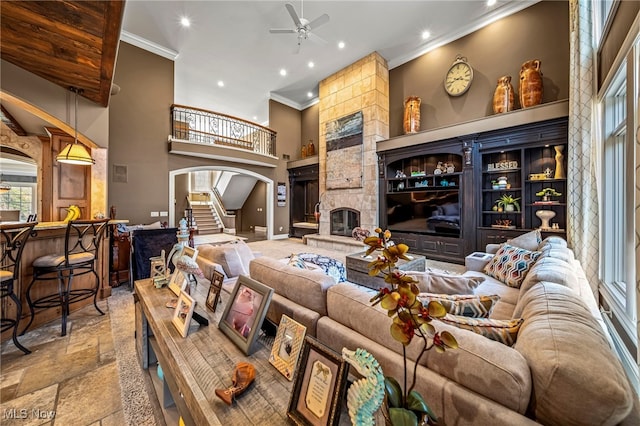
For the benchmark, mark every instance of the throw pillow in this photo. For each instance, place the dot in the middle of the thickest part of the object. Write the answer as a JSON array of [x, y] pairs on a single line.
[[511, 264], [529, 241], [467, 305], [332, 267], [296, 262], [503, 331], [445, 283]]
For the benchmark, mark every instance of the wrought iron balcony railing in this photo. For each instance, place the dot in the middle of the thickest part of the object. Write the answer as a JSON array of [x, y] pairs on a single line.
[[212, 128]]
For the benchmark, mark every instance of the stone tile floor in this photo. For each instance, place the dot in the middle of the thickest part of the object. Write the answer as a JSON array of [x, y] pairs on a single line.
[[70, 380]]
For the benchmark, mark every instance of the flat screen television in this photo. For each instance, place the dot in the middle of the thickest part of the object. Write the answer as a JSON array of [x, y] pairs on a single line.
[[424, 212]]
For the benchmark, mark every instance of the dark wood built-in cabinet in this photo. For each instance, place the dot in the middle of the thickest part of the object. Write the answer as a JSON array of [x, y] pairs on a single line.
[[305, 186], [440, 197], [423, 194], [526, 157]]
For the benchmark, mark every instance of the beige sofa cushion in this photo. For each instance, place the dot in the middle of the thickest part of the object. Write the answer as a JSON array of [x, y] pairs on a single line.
[[528, 241], [489, 368], [233, 257], [577, 379], [550, 269], [442, 283], [302, 286]]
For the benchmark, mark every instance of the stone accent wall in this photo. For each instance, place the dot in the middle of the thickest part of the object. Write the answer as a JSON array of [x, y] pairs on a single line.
[[362, 86]]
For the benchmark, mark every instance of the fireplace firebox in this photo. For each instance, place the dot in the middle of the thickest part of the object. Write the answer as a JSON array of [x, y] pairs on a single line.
[[343, 220]]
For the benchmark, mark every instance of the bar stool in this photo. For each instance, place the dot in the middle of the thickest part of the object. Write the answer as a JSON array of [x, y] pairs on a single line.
[[81, 250], [13, 238]]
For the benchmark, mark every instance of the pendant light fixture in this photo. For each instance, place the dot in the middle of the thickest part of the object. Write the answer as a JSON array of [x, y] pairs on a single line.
[[75, 153]]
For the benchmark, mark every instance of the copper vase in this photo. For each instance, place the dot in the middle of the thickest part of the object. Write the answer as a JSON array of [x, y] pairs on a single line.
[[412, 114], [530, 83], [503, 97]]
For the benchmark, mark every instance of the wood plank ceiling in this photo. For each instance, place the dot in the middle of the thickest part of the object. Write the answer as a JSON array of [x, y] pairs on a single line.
[[70, 43]]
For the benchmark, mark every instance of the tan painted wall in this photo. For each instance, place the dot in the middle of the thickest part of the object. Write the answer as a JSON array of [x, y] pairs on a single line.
[[251, 217], [538, 32], [310, 125]]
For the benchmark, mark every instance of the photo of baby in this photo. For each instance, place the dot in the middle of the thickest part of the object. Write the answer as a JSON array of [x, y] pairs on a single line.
[[243, 311]]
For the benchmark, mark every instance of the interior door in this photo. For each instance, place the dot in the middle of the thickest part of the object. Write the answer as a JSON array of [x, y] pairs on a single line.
[[71, 183]]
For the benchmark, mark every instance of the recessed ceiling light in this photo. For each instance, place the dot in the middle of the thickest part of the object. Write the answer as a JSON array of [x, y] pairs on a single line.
[[491, 2], [341, 45], [283, 72], [185, 21], [311, 64], [426, 35], [220, 83], [255, 118], [310, 94]]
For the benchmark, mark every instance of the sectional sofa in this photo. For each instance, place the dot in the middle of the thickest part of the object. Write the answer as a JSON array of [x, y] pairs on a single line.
[[560, 368]]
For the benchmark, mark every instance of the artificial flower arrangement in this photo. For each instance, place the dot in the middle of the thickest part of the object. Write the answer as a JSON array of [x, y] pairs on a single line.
[[547, 192], [411, 319]]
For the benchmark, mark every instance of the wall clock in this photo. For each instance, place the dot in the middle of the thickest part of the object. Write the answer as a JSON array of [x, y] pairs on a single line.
[[459, 77]]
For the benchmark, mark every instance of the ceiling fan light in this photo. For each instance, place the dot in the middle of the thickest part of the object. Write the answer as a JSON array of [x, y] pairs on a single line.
[[75, 153]]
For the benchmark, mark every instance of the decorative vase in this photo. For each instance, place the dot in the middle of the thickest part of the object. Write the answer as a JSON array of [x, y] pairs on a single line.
[[503, 97], [412, 114], [509, 208], [530, 83], [304, 151], [545, 216], [311, 149], [560, 173]]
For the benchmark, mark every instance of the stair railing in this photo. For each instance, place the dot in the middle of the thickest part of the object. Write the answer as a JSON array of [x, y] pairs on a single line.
[[212, 128]]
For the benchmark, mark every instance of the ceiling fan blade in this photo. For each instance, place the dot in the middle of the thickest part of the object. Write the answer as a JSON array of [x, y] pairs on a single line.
[[320, 20], [293, 14], [316, 38], [281, 31]]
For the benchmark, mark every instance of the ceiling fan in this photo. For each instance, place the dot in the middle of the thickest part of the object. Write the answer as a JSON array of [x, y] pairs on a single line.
[[303, 26]]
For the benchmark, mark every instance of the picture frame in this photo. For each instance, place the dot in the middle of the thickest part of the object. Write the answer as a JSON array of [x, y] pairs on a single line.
[[319, 386], [244, 313], [178, 282], [213, 297], [183, 313], [287, 346]]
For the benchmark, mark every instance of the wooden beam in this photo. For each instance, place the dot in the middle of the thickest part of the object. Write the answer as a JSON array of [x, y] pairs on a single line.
[[11, 122], [33, 109]]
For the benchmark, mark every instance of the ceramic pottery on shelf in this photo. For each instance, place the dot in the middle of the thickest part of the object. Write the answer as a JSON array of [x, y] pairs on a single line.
[[503, 97], [412, 114], [545, 216], [559, 174], [530, 83]]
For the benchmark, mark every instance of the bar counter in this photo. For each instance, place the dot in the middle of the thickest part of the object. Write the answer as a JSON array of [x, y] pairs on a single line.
[[49, 238]]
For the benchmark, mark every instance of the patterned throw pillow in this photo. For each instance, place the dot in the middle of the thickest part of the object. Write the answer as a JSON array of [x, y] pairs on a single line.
[[332, 267], [296, 262], [511, 264], [468, 305], [503, 331]]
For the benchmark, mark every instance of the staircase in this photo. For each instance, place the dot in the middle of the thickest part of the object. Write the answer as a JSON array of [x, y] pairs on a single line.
[[206, 219]]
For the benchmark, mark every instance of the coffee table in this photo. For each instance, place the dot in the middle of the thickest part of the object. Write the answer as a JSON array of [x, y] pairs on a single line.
[[358, 269]]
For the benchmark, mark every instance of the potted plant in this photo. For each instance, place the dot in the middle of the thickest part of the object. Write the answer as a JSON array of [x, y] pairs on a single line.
[[545, 193], [411, 319], [508, 203]]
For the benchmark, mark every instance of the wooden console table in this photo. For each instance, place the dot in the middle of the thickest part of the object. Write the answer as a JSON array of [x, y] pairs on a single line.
[[195, 366]]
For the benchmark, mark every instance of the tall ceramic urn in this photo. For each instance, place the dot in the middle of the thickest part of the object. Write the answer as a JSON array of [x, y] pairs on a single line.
[[530, 83], [503, 97], [412, 114]]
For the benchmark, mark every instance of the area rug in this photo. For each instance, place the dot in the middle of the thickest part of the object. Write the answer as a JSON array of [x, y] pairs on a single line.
[[139, 403]]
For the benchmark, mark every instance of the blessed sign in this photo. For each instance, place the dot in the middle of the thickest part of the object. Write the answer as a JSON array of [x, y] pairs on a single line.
[[502, 165]]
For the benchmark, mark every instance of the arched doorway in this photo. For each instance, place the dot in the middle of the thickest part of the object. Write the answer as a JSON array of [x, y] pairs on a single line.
[[269, 192]]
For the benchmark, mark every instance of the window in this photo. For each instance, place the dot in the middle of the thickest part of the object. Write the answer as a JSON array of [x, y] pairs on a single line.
[[603, 11], [619, 120], [21, 197]]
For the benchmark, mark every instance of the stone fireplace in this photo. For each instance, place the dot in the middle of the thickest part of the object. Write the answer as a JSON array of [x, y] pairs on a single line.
[[349, 176], [343, 220]]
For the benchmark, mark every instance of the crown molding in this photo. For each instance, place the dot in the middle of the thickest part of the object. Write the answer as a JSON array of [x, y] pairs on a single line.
[[149, 46], [480, 22]]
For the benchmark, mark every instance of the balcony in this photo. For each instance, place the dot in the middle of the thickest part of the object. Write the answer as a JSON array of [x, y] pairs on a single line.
[[207, 134]]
